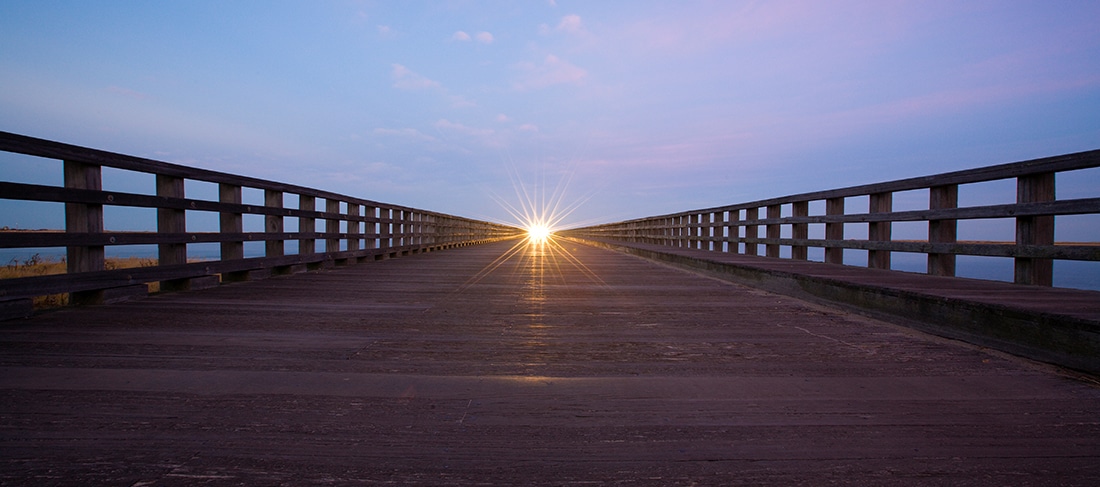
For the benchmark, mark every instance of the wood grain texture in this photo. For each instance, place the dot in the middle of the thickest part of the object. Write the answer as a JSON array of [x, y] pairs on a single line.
[[573, 365]]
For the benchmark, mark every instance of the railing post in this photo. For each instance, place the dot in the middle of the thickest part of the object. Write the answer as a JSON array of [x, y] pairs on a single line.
[[231, 222], [800, 231], [354, 235], [834, 231], [690, 225], [385, 234], [273, 223], [700, 231], [752, 232], [774, 230], [403, 229], [422, 229], [307, 224], [715, 230], [84, 218], [942, 231], [1035, 230], [170, 220], [370, 229], [678, 231], [734, 231], [879, 231], [332, 227], [723, 230]]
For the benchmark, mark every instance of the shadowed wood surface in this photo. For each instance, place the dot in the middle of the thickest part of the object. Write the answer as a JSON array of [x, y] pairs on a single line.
[[495, 365]]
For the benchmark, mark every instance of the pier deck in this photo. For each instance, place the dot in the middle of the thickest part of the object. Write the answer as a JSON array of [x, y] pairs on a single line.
[[569, 365]]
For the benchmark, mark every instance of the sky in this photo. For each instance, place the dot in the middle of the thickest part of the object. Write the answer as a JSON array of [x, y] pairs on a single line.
[[619, 109]]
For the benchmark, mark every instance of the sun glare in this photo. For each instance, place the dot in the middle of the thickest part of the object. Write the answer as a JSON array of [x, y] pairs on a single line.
[[539, 212], [538, 233]]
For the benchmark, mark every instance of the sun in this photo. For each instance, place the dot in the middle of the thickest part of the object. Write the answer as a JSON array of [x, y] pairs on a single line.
[[538, 233]]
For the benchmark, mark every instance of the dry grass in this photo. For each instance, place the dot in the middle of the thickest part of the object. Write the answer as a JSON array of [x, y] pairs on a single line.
[[37, 265]]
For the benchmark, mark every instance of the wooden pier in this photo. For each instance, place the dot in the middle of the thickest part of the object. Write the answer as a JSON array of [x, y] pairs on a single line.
[[510, 364]]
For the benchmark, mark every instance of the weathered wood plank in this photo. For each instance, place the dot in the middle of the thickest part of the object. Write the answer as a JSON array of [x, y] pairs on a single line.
[[465, 368]]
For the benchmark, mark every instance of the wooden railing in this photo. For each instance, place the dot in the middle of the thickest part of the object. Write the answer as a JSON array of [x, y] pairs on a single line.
[[786, 221], [354, 229]]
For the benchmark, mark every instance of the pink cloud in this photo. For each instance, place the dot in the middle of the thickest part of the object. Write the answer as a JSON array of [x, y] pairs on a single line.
[[406, 79], [444, 124], [570, 23], [552, 71], [484, 37]]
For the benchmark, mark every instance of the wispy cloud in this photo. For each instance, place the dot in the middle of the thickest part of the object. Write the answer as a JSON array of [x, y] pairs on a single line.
[[459, 101], [551, 71], [408, 80], [447, 125], [405, 79], [405, 132], [570, 23], [482, 37]]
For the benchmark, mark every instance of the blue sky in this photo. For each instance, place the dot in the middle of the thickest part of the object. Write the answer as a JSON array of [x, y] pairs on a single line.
[[634, 108]]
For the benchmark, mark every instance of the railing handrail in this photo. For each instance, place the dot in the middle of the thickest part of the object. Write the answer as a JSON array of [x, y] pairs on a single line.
[[32, 146], [1062, 163], [719, 228], [372, 229]]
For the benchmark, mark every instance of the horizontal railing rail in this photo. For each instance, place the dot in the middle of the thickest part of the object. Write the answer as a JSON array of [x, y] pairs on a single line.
[[784, 222], [354, 229]]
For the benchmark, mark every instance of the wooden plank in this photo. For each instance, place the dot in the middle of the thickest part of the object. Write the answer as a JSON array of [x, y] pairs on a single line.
[[614, 370], [28, 287], [32, 192], [59, 239]]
